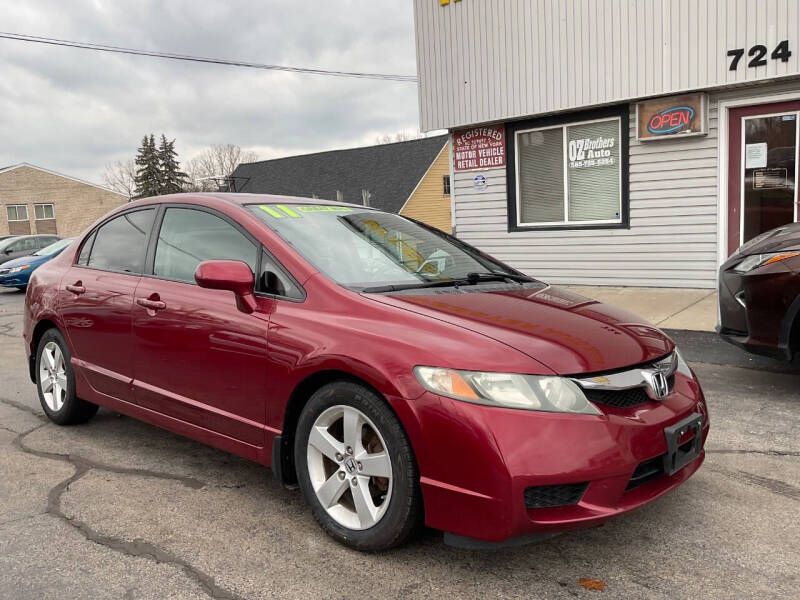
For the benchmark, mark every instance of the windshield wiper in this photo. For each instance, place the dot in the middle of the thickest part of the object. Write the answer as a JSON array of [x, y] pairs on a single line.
[[470, 279]]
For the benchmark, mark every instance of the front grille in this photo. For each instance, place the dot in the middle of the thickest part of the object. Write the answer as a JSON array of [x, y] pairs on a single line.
[[623, 398], [618, 398], [549, 496], [646, 471]]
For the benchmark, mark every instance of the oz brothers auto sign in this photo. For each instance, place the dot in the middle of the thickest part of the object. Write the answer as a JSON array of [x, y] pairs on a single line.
[[479, 148], [671, 117]]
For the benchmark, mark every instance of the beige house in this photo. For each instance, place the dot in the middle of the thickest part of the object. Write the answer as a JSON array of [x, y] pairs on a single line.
[[36, 200]]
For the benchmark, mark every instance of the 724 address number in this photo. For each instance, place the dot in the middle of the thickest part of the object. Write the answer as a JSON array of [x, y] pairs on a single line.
[[757, 54]]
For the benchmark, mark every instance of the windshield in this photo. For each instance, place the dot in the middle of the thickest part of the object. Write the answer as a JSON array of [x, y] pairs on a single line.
[[7, 242], [54, 247], [363, 248]]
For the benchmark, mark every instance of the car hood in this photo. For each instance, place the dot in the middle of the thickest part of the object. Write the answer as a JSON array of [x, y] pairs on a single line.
[[785, 237], [567, 332], [24, 260]]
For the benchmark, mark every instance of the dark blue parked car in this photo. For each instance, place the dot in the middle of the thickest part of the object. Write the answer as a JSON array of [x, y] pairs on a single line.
[[16, 272]]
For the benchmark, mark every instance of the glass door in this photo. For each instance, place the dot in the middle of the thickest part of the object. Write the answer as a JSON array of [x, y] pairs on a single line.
[[762, 174], [769, 195]]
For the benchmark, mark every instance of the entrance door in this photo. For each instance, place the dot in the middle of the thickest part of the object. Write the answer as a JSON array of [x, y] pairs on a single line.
[[762, 169]]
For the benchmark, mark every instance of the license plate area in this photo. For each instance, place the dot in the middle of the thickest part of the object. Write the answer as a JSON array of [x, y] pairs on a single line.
[[680, 450]]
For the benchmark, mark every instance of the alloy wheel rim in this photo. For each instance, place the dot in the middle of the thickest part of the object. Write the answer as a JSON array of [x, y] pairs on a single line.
[[349, 467], [53, 376]]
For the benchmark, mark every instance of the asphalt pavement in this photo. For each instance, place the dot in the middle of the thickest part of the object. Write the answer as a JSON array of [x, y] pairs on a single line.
[[119, 509]]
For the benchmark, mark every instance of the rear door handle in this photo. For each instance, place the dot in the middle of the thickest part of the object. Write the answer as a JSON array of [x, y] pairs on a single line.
[[76, 289], [151, 304]]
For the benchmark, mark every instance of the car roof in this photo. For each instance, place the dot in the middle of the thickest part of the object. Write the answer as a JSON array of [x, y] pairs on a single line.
[[242, 199]]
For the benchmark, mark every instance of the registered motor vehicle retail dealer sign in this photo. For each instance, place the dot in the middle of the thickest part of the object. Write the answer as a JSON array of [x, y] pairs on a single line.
[[480, 148]]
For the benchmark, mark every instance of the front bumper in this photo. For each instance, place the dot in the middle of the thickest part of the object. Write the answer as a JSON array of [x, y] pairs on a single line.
[[478, 462], [15, 280], [755, 309]]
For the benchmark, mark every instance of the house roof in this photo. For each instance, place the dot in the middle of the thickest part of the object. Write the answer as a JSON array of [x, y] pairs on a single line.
[[12, 167], [390, 172]]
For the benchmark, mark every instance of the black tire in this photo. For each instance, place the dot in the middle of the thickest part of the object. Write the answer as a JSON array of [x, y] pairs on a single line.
[[74, 410], [404, 516]]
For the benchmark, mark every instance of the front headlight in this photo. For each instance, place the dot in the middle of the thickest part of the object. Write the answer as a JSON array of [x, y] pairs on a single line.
[[683, 366], [20, 269], [759, 260], [509, 390]]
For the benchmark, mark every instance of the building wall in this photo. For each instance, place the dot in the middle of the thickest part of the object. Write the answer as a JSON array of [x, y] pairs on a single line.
[[480, 61], [428, 203], [76, 205], [672, 240]]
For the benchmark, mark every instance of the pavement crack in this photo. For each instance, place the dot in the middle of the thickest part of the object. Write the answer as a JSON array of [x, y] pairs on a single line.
[[687, 307], [762, 452], [25, 518], [136, 548], [23, 407]]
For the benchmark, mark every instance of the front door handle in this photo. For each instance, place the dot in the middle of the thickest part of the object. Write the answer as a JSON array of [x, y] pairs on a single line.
[[151, 304], [77, 288]]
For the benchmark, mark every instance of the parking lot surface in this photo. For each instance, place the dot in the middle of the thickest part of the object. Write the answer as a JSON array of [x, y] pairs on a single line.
[[119, 509]]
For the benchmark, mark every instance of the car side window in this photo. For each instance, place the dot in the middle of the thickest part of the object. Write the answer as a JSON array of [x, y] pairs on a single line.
[[24, 245], [189, 237], [273, 280], [119, 244]]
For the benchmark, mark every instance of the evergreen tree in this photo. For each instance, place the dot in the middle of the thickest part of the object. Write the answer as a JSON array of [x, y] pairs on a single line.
[[147, 180], [172, 179]]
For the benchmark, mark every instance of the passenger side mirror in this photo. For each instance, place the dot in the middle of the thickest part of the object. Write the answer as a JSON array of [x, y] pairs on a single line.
[[232, 275]]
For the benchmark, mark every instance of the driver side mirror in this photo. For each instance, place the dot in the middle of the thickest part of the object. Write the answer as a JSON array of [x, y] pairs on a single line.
[[232, 275]]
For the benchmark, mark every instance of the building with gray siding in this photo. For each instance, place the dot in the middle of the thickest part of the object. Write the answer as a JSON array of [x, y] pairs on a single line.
[[614, 142]]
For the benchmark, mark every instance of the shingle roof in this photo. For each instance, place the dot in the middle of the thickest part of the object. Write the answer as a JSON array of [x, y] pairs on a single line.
[[389, 171]]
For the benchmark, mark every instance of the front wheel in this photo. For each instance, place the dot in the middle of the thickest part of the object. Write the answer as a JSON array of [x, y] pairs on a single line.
[[55, 382], [356, 468]]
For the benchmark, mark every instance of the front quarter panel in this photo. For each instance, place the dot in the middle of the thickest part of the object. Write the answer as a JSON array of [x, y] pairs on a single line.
[[338, 330]]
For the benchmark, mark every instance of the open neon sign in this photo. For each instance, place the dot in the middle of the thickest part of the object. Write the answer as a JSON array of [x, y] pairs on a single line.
[[670, 120]]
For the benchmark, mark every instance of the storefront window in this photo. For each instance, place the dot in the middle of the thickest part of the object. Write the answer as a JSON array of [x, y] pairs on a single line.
[[569, 174]]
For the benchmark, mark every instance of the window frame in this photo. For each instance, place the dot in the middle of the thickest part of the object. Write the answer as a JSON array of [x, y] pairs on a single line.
[[92, 236], [446, 185], [152, 242], [16, 206], [43, 204], [513, 129], [284, 271]]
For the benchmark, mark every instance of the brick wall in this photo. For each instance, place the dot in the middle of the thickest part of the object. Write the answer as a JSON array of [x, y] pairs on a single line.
[[76, 205]]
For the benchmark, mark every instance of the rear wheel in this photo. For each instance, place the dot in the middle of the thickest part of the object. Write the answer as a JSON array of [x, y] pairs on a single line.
[[356, 468], [55, 382]]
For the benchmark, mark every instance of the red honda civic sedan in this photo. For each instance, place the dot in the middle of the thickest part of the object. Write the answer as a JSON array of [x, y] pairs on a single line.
[[396, 374]]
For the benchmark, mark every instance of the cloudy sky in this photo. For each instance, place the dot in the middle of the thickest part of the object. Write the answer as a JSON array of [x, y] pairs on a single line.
[[73, 110]]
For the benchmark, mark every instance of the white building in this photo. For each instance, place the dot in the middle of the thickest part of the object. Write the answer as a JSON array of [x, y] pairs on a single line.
[[552, 170]]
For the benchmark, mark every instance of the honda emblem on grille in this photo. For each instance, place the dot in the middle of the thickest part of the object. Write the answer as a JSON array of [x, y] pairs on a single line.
[[657, 382]]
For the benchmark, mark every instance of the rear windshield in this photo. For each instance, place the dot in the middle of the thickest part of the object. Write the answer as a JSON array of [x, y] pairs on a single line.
[[362, 248]]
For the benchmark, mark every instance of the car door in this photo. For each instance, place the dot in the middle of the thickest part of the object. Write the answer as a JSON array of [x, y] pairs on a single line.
[[197, 357], [96, 300]]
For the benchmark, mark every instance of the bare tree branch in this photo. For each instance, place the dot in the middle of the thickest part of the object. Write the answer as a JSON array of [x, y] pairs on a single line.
[[216, 161], [400, 136], [119, 177]]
